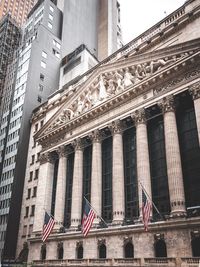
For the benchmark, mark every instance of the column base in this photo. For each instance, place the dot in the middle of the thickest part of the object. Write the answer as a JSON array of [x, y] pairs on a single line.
[[177, 214]]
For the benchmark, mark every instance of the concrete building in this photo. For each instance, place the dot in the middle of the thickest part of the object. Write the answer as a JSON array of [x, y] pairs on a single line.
[[18, 10], [37, 76], [96, 24], [10, 35], [134, 118]]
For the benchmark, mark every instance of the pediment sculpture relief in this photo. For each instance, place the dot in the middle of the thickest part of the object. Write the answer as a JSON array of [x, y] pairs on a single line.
[[109, 84]]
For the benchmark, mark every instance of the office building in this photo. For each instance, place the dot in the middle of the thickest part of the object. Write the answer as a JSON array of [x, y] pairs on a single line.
[[97, 26], [17, 9], [9, 41], [37, 76], [132, 120]]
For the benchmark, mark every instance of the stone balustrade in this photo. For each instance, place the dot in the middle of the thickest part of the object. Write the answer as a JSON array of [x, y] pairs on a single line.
[[148, 262]]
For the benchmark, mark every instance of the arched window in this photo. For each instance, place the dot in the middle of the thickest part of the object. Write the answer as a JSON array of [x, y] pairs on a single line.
[[60, 251], [102, 251], [129, 250], [43, 252], [196, 247], [80, 252], [160, 248]]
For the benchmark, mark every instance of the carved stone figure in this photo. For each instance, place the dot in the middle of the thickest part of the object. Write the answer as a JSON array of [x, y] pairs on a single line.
[[127, 78], [102, 89], [118, 78]]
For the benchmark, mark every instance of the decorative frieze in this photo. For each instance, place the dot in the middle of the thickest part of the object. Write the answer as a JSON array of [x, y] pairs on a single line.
[[195, 90]]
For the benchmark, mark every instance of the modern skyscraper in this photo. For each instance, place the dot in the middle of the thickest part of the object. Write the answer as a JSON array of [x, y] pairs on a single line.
[[131, 122], [17, 9], [10, 35], [96, 24], [37, 76]]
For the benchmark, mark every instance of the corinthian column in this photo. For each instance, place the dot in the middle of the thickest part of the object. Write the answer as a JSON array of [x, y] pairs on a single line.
[[174, 169], [61, 187], [96, 177], [44, 189], [143, 165], [195, 92], [77, 188], [118, 173]]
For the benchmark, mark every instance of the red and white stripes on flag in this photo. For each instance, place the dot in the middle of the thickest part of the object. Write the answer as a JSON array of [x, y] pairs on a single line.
[[88, 218], [146, 210], [48, 226]]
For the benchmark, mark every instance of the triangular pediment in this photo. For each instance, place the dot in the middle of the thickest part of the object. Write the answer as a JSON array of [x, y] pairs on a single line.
[[116, 78]]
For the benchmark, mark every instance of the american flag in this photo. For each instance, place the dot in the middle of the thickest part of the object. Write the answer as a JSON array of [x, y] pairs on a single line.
[[146, 210], [88, 218], [48, 226]]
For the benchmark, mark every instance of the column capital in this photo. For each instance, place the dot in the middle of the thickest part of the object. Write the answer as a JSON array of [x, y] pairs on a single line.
[[167, 104], [62, 151], [46, 157], [139, 116], [194, 90], [116, 127], [96, 136], [77, 144]]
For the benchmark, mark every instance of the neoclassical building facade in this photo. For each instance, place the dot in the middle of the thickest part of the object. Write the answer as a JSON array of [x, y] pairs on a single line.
[[133, 119]]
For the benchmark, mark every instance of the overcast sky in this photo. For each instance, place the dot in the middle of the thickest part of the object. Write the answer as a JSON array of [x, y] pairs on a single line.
[[139, 15]]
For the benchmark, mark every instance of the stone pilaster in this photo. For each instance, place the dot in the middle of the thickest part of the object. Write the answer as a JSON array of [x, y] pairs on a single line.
[[44, 189], [61, 187], [195, 92], [118, 172], [96, 176], [77, 188], [143, 164], [174, 169]]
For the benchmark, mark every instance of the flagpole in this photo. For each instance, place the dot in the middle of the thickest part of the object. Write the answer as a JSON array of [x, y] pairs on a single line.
[[151, 201], [95, 211]]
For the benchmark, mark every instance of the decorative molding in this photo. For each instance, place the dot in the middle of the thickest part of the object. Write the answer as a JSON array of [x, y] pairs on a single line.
[[139, 116], [167, 104], [101, 241], [62, 151], [127, 239], [116, 127], [96, 136], [181, 79], [194, 90], [77, 144], [158, 237], [46, 157]]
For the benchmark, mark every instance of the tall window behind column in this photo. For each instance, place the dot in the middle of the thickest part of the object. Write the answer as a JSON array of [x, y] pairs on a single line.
[[53, 199], [68, 194], [107, 179], [130, 175], [87, 164], [159, 180], [189, 148]]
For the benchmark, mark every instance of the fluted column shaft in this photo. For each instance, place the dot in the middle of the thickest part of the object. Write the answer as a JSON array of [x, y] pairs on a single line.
[[77, 188], [44, 190], [118, 173], [60, 188], [96, 176], [195, 92], [174, 169], [143, 164]]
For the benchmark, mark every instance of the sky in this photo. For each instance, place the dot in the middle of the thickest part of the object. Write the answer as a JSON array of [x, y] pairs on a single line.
[[139, 15]]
